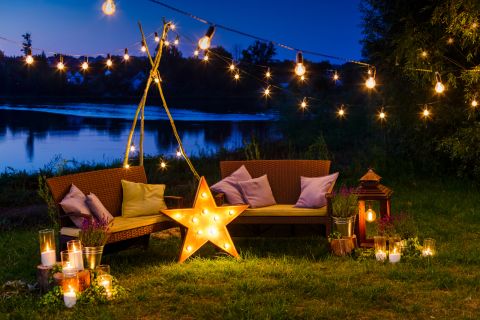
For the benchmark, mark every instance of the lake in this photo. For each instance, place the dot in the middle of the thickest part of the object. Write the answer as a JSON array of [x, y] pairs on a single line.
[[31, 136]]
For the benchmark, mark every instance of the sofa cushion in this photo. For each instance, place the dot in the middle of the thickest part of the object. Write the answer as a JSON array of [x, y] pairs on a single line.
[[122, 224], [229, 186], [285, 210], [314, 190], [74, 202], [257, 192], [98, 209], [141, 199]]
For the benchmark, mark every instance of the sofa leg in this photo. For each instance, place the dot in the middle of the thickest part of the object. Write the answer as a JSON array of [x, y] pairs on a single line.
[[328, 229]]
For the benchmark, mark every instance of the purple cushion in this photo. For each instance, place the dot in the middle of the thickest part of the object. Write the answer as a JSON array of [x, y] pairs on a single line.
[[74, 202], [229, 186], [257, 192], [98, 209], [314, 190]]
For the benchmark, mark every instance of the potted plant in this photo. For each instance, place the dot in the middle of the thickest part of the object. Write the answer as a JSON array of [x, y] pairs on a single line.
[[93, 235], [345, 209]]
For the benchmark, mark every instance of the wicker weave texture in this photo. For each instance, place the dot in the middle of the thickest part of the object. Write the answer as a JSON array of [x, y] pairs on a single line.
[[283, 175], [105, 184]]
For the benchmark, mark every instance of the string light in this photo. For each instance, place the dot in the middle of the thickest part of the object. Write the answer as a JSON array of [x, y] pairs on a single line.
[[144, 47], [179, 153], [267, 92], [474, 103], [196, 53], [341, 112], [268, 74], [302, 78], [85, 65], [132, 148], [126, 56], [382, 115], [450, 40], [336, 77], [156, 80], [29, 58], [205, 57], [163, 164], [60, 64], [167, 43], [109, 62], [126, 166], [156, 37], [304, 104], [236, 76], [109, 7], [172, 25], [424, 54], [176, 41], [206, 40], [439, 87], [371, 83], [426, 113], [299, 67], [231, 66]]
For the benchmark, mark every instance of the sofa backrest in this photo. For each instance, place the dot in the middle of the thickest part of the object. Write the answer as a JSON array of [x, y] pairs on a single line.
[[283, 175], [105, 184]]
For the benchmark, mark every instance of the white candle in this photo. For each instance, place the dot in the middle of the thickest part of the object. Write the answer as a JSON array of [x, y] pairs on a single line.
[[380, 255], [70, 298], [394, 257], [68, 268], [78, 259], [48, 258], [427, 252]]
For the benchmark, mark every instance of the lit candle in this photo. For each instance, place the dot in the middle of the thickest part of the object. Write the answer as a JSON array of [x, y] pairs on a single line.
[[76, 256], [48, 257], [70, 297], [105, 281], [427, 252], [68, 268], [380, 255], [428, 247], [394, 256]]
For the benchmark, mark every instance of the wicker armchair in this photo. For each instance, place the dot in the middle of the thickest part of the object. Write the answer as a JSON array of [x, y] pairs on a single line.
[[106, 185], [284, 178]]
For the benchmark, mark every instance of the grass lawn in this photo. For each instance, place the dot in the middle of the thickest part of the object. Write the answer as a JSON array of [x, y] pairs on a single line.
[[287, 278]]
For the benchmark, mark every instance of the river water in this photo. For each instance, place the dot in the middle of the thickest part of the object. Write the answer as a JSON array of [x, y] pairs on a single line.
[[31, 136]]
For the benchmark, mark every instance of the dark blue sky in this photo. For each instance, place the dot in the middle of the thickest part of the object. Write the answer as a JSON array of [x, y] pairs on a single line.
[[79, 27]]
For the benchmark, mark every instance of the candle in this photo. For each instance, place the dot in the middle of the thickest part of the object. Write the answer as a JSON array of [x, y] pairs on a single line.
[[70, 297], [68, 268], [105, 281], [395, 249], [76, 256], [48, 257], [428, 247], [394, 257], [380, 255], [427, 252]]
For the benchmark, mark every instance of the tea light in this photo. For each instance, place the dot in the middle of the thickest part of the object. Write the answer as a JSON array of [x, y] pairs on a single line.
[[105, 281], [75, 248], [70, 297], [380, 244], [428, 247], [395, 248], [47, 247], [394, 257]]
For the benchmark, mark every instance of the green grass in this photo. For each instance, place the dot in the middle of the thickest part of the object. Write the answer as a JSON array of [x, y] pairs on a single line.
[[286, 278]]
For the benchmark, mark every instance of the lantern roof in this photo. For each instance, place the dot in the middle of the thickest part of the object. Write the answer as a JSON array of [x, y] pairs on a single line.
[[371, 189], [370, 176]]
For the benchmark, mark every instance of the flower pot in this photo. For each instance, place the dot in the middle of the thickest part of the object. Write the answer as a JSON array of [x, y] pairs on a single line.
[[92, 256], [342, 247], [344, 225]]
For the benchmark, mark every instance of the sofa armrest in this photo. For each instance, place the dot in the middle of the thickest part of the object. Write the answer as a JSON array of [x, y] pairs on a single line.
[[173, 202], [219, 199]]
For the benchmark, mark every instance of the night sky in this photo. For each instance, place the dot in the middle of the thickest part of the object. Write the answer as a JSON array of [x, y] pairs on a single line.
[[79, 26]]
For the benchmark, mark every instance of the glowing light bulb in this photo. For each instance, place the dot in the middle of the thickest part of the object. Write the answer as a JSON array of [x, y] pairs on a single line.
[[179, 153], [212, 231], [109, 7], [450, 40], [156, 37], [126, 166], [205, 211], [85, 65], [205, 41], [341, 112], [126, 56], [199, 232], [195, 220], [474, 103], [29, 59], [439, 87], [370, 83], [163, 165], [232, 67], [424, 54], [143, 48], [215, 218], [172, 26], [382, 115], [196, 53], [230, 212], [474, 25], [167, 43], [205, 58], [426, 113], [268, 74], [60, 66], [302, 78], [204, 195], [267, 92], [156, 80], [176, 41], [132, 148], [303, 104], [109, 62], [188, 248], [226, 246], [236, 76], [336, 76], [370, 215], [299, 67]]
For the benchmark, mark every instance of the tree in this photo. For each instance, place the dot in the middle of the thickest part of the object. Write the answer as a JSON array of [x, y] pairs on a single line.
[[409, 41], [27, 42], [259, 53]]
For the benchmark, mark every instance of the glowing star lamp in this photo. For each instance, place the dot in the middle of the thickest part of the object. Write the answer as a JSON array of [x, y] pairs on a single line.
[[206, 222]]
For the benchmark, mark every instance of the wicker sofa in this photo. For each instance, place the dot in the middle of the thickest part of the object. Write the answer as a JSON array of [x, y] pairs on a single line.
[[284, 177], [106, 184]]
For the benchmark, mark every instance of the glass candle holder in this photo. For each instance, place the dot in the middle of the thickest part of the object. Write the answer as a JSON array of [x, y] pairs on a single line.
[[428, 247], [70, 286], [380, 245], [68, 262], [103, 269], [47, 247], [75, 247], [394, 249], [105, 281]]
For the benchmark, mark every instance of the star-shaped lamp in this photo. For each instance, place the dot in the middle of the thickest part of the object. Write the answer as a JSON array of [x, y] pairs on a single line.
[[206, 222]]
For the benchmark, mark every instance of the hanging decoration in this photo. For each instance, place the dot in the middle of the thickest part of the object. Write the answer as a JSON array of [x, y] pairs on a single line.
[[206, 222], [109, 7]]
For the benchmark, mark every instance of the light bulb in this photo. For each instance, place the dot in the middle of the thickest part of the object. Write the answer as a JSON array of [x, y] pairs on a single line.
[[341, 112], [109, 62], [370, 83], [126, 166], [236, 76], [205, 58], [450, 40], [382, 115], [132, 148], [172, 26], [85, 65], [267, 92], [226, 246], [371, 215], [195, 220], [439, 87], [163, 165], [29, 59], [426, 113], [206, 40], [474, 103], [60, 66], [230, 212], [179, 153], [126, 56], [302, 78], [299, 67], [188, 248], [167, 43], [424, 54], [108, 7], [195, 53], [303, 104], [232, 67], [156, 37], [205, 211], [176, 41], [215, 218], [268, 74], [336, 76], [143, 48], [204, 195], [156, 80]]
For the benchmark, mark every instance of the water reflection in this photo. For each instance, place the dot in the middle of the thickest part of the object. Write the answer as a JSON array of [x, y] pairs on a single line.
[[29, 140]]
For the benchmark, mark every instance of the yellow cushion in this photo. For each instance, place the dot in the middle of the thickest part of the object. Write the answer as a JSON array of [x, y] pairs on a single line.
[[121, 224], [140, 199], [285, 210]]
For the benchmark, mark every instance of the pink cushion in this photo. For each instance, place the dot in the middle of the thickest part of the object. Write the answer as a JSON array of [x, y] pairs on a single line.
[[229, 186], [257, 192], [314, 190], [74, 202], [98, 209]]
